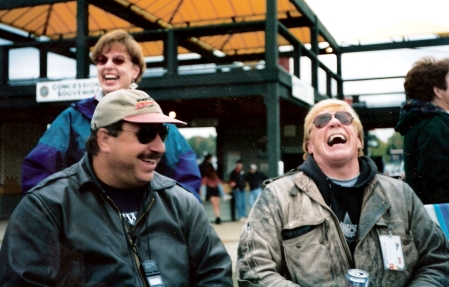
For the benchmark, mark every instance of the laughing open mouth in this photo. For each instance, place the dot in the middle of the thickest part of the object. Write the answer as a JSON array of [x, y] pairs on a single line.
[[110, 77], [336, 139]]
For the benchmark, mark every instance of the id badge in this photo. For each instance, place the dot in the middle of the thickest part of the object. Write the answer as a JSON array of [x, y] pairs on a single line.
[[392, 252]]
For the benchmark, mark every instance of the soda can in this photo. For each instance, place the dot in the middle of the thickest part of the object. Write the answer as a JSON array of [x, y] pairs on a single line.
[[357, 278]]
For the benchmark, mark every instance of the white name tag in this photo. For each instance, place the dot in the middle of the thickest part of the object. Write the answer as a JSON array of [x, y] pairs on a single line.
[[392, 252]]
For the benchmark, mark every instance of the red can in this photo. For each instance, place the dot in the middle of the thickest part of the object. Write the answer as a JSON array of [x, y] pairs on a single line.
[[357, 278]]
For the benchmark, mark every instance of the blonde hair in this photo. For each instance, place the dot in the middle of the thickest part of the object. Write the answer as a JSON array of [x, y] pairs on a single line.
[[120, 37], [332, 105]]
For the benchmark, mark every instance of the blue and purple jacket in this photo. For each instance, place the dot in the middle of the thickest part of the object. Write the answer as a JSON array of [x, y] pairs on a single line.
[[63, 144]]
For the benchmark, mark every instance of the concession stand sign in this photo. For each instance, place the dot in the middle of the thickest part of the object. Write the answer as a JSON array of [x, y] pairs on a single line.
[[66, 90]]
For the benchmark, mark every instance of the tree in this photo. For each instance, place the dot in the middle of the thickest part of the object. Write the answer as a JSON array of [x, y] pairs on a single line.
[[396, 141], [376, 147], [201, 145]]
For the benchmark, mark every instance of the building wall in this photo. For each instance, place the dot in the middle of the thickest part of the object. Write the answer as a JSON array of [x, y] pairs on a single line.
[[16, 141]]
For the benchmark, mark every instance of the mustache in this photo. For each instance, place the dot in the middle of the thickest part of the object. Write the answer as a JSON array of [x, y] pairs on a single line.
[[153, 156]]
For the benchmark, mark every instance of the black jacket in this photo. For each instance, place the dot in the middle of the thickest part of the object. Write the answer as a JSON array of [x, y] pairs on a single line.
[[238, 176], [67, 232], [255, 179], [425, 128]]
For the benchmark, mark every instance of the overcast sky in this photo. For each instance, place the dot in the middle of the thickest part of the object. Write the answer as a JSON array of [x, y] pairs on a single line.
[[365, 22], [351, 20]]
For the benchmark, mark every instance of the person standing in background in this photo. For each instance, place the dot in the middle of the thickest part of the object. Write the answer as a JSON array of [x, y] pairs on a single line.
[[237, 183], [424, 123], [120, 65], [206, 164], [255, 180], [212, 190]]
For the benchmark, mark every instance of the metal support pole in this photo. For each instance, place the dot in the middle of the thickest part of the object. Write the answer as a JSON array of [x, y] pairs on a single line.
[[297, 54], [271, 32], [4, 66], [43, 57], [365, 139], [273, 128], [82, 46], [339, 82], [329, 84], [314, 50], [171, 53]]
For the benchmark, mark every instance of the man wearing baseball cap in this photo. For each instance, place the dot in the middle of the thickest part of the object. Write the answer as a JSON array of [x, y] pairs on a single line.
[[110, 219]]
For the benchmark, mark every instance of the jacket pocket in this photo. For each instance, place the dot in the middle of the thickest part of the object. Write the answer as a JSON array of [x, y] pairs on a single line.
[[307, 256], [374, 263], [296, 232], [409, 250]]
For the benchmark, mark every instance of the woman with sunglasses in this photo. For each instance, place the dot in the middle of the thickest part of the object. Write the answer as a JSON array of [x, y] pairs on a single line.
[[120, 65]]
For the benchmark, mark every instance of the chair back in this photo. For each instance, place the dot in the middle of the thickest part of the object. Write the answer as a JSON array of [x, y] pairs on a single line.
[[440, 214]]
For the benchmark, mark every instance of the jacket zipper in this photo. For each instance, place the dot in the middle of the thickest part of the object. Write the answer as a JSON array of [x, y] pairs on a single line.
[[136, 259], [146, 211]]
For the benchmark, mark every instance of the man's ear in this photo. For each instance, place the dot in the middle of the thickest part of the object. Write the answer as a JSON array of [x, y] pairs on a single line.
[[103, 139], [437, 92], [309, 147]]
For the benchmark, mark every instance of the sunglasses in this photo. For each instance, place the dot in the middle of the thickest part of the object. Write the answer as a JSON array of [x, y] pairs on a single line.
[[117, 60], [147, 133], [322, 120]]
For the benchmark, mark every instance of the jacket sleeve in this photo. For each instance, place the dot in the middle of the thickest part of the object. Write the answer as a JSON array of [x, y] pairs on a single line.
[[260, 258], [179, 162], [49, 154], [432, 268], [30, 249], [208, 257]]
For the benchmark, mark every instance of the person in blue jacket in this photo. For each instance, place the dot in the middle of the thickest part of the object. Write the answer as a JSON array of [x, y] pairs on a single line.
[[120, 64]]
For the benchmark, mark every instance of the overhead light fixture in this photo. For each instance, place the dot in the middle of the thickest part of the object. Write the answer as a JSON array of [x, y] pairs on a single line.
[[172, 114]]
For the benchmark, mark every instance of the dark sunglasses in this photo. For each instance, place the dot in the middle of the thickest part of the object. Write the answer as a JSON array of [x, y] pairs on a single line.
[[147, 133], [322, 120], [117, 60]]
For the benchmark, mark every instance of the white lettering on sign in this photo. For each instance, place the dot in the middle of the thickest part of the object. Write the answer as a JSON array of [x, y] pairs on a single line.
[[66, 90]]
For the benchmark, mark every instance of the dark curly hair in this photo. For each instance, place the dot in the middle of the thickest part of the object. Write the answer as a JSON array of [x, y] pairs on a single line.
[[426, 74]]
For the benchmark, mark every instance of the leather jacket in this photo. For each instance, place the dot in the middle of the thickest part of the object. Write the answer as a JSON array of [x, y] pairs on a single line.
[[319, 256], [68, 232]]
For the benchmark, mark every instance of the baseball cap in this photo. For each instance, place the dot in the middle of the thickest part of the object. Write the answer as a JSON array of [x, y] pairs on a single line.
[[131, 106]]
